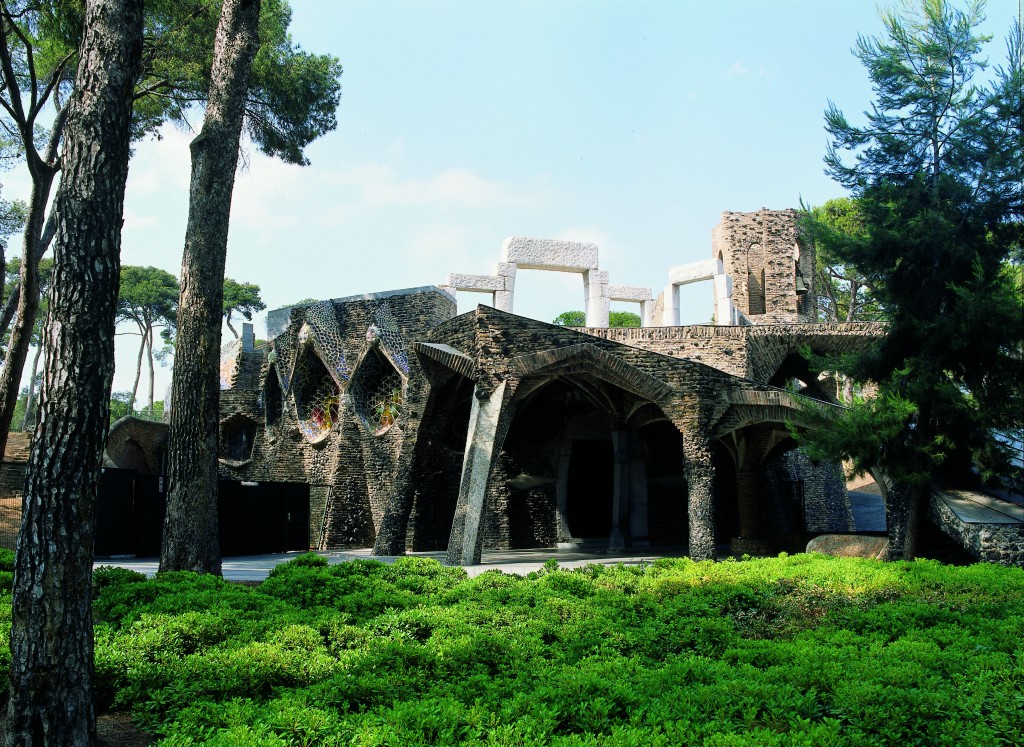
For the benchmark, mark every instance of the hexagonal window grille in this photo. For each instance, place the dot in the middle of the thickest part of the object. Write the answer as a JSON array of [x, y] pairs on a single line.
[[316, 395], [376, 392]]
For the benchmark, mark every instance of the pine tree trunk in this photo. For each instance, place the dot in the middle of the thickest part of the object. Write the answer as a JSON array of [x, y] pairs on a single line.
[[138, 370], [190, 539], [50, 693], [152, 375], [30, 401], [28, 299]]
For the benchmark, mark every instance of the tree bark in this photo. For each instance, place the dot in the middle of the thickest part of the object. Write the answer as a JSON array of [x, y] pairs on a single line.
[[190, 539], [50, 693]]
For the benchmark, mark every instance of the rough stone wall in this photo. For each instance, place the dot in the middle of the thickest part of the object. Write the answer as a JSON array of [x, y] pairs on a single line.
[[990, 543], [759, 248], [352, 468], [826, 503], [754, 352]]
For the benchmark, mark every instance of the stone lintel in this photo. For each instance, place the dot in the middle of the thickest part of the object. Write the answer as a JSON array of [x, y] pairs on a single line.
[[549, 254], [693, 272], [629, 293], [476, 283]]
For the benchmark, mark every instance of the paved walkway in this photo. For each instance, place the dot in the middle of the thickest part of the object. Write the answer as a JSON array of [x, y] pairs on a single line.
[[972, 507], [521, 562]]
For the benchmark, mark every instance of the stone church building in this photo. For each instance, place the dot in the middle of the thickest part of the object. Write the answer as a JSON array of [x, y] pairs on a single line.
[[416, 428]]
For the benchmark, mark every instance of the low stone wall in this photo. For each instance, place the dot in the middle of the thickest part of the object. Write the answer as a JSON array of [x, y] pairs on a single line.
[[990, 543]]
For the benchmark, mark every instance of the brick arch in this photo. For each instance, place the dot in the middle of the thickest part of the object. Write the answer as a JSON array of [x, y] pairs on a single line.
[[586, 358]]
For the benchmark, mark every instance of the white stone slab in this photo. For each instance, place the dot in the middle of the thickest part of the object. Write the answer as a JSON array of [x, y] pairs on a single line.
[[629, 293], [548, 254], [476, 283], [693, 272]]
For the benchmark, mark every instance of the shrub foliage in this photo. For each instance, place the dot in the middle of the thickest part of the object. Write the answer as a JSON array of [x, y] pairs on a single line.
[[803, 650]]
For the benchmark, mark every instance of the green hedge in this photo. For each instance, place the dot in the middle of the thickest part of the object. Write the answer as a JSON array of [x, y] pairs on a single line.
[[803, 650]]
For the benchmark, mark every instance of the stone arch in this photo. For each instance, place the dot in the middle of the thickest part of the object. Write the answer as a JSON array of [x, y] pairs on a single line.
[[576, 451], [237, 438]]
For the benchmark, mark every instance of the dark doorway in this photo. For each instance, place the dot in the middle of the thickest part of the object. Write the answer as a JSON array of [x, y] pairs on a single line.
[[115, 513], [589, 492], [254, 518]]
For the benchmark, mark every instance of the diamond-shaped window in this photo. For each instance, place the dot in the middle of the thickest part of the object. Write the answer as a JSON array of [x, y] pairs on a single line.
[[376, 389], [316, 395]]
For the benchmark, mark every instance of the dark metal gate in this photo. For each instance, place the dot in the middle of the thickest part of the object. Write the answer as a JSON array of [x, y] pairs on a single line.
[[254, 518]]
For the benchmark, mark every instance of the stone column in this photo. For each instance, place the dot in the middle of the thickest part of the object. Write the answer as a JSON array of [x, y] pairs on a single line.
[[700, 479], [724, 310], [595, 287], [670, 311], [747, 496], [504, 298], [618, 539], [638, 527], [483, 443], [562, 533]]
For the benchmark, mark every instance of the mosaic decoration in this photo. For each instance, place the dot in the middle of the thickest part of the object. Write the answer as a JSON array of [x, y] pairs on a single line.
[[323, 320], [386, 329], [376, 392], [316, 396], [283, 362]]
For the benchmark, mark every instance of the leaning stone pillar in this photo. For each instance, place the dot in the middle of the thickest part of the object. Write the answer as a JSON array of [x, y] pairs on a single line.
[[483, 444], [700, 479]]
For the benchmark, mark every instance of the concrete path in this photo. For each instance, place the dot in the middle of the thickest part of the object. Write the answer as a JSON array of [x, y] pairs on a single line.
[[868, 511], [520, 562]]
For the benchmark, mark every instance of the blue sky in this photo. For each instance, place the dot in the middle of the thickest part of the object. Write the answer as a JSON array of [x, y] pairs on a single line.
[[629, 124]]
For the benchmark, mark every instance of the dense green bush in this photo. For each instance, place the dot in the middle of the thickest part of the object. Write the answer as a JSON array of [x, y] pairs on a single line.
[[804, 650]]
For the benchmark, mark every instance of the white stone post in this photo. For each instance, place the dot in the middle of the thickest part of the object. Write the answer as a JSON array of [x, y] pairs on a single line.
[[595, 288]]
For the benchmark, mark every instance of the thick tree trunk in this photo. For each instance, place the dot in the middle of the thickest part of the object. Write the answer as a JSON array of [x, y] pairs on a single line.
[[190, 529], [50, 693], [28, 419]]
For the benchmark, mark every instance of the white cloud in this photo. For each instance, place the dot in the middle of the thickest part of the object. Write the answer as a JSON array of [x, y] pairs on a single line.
[[737, 68]]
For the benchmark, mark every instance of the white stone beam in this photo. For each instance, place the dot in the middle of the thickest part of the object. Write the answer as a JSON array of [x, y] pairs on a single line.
[[476, 283], [693, 272], [548, 254]]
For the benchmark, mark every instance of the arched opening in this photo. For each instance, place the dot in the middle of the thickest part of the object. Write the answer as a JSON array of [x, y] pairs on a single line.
[[795, 372], [237, 436], [588, 463], [440, 447], [133, 456], [273, 400], [756, 297], [316, 396], [376, 389]]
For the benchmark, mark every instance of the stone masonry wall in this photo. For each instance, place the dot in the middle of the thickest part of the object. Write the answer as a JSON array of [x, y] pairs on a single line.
[[990, 543], [351, 469]]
